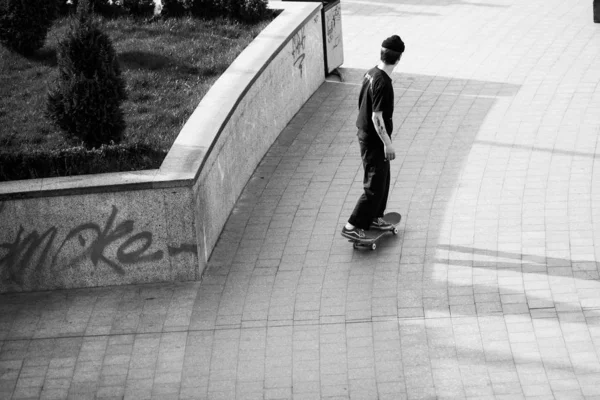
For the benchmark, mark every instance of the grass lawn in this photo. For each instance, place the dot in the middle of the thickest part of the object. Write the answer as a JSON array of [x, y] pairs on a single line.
[[168, 66]]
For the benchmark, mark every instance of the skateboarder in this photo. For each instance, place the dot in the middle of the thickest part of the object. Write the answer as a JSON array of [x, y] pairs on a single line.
[[374, 123]]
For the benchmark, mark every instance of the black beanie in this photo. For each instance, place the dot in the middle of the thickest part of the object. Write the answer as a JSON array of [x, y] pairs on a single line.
[[393, 43]]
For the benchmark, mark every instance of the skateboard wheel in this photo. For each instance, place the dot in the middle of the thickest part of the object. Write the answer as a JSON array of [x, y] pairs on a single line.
[[373, 246], [395, 231], [355, 245]]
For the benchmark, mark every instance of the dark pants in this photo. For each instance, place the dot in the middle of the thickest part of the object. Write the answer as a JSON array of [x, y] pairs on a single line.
[[376, 182]]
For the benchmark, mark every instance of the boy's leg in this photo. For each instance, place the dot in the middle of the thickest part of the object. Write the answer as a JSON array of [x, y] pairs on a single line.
[[386, 191], [376, 174], [378, 222]]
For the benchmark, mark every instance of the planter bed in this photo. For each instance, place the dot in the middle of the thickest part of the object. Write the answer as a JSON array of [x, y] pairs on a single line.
[[168, 66]]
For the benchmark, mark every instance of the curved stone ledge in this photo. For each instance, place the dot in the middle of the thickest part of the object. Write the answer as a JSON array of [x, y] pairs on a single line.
[[161, 225]]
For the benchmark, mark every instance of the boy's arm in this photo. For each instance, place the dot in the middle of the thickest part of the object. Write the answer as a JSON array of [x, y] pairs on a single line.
[[379, 124]]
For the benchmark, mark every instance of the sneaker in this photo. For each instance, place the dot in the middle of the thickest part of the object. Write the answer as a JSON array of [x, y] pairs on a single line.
[[381, 224], [354, 233]]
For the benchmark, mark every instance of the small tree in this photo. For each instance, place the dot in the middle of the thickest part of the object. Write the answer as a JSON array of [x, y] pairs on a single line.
[[24, 24], [86, 101]]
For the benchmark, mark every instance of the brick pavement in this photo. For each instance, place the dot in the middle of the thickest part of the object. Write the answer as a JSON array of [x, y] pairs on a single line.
[[491, 290]]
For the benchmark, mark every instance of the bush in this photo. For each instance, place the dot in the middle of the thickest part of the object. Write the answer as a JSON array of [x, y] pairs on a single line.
[[66, 8], [77, 161], [105, 8], [252, 10], [243, 10], [86, 102], [24, 24], [173, 8], [139, 8], [112, 8], [228, 8], [201, 8]]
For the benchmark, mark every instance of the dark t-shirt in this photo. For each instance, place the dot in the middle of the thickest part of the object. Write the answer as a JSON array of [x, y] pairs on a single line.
[[376, 94]]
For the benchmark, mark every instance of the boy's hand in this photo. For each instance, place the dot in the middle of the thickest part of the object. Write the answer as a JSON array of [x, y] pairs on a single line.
[[390, 153]]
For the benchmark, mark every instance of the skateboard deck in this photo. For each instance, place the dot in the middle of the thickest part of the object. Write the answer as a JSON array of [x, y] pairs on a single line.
[[373, 235]]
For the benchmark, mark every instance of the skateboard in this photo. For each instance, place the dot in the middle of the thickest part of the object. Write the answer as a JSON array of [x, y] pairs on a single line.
[[372, 236]]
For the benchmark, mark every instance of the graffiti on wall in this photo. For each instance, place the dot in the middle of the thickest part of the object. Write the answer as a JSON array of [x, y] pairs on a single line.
[[298, 49], [111, 243], [333, 31]]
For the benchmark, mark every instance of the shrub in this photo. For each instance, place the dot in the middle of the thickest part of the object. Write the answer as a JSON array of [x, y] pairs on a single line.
[[203, 8], [66, 7], [139, 8], [24, 24], [105, 8], [113, 8], [173, 8], [252, 10], [86, 101], [228, 8], [77, 161], [242, 10]]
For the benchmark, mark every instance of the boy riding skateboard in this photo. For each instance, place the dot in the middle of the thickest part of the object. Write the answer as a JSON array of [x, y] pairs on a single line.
[[374, 123]]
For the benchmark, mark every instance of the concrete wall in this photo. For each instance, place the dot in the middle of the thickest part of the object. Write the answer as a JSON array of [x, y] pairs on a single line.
[[269, 104], [161, 225], [99, 239]]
